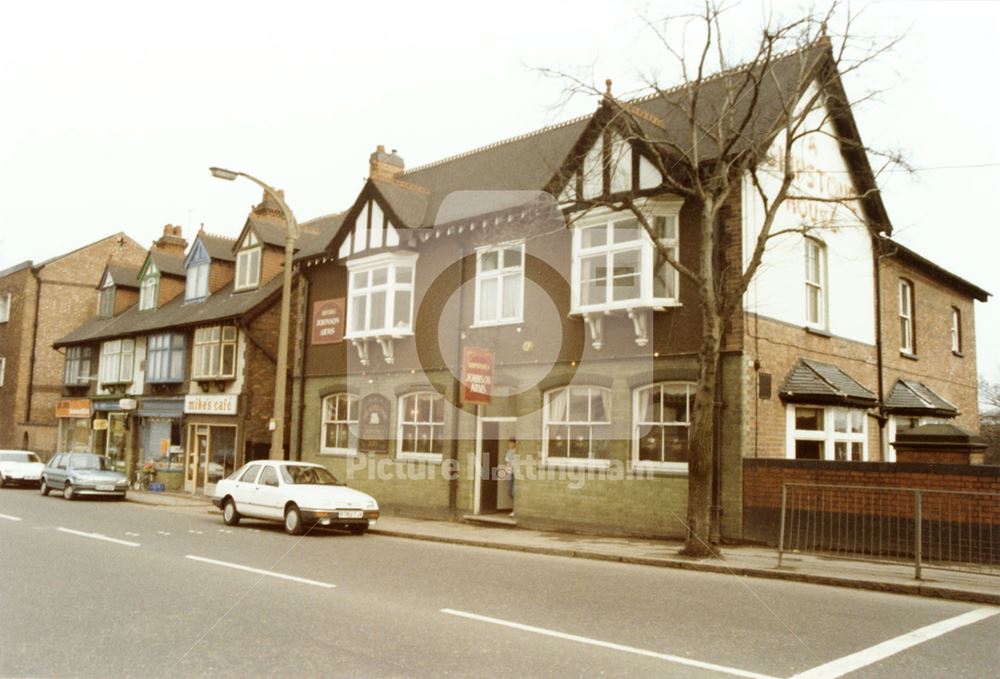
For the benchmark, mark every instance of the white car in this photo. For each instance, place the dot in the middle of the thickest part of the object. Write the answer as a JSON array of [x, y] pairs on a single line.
[[20, 466], [301, 495]]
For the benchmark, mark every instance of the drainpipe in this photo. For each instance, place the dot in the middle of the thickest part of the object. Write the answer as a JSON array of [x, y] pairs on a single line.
[[34, 338], [457, 395], [303, 313], [880, 416], [715, 529]]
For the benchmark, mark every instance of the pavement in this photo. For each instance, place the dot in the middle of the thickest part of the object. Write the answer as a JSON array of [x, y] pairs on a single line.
[[738, 560]]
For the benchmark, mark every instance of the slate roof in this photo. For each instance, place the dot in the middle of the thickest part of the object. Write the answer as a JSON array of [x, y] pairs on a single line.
[[267, 231], [909, 397], [123, 276], [171, 265], [815, 382], [887, 246], [218, 247], [317, 234], [224, 304]]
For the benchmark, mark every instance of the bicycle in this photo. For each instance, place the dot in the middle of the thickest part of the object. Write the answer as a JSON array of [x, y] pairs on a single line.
[[144, 476]]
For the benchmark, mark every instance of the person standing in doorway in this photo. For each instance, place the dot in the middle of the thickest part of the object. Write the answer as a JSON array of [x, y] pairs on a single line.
[[509, 463]]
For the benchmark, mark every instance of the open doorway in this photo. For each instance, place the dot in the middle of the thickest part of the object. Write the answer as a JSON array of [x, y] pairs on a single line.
[[492, 492]]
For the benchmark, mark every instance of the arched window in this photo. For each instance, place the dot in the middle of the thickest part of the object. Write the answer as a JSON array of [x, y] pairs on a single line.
[[661, 416], [421, 425], [340, 425], [576, 424]]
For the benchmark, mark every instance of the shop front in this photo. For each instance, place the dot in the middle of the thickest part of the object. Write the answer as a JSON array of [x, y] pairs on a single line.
[[161, 439], [75, 431], [111, 428], [212, 440]]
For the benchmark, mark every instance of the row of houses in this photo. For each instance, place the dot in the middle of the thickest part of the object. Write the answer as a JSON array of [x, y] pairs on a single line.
[[495, 299]]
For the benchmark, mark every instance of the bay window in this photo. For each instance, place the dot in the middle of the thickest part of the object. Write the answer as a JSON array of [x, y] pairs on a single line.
[[214, 353], [827, 433], [421, 426], [340, 424], [576, 425], [117, 358], [380, 296], [77, 369], [662, 424], [165, 358], [499, 284]]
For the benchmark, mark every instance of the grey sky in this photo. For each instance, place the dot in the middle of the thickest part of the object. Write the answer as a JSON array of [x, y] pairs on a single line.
[[112, 112]]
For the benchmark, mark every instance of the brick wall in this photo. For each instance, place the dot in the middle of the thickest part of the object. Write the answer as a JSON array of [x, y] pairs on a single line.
[[259, 378], [15, 347], [220, 275]]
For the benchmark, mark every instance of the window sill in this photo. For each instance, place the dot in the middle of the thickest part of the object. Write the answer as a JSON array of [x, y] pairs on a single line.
[[429, 458], [379, 334], [679, 469], [624, 307], [907, 355], [338, 452], [495, 324], [820, 332], [574, 463]]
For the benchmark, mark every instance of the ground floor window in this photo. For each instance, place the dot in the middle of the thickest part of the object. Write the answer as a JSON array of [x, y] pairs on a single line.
[[158, 436], [211, 455], [662, 417], [421, 425], [340, 424], [576, 424], [827, 433], [74, 435], [110, 436]]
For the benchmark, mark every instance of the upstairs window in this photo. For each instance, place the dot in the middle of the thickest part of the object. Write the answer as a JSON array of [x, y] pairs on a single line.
[[815, 283], [248, 264], [662, 417], [616, 265], [3, 369], [5, 308], [148, 290], [106, 298], [165, 358], [196, 284], [500, 284], [117, 359], [956, 330], [380, 296], [421, 425], [77, 369], [907, 341], [214, 353]]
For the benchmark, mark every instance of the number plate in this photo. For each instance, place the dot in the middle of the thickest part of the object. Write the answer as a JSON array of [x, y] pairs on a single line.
[[351, 515], [105, 487]]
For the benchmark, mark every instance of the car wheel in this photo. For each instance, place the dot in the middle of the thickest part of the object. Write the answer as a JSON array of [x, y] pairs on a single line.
[[358, 529], [68, 491], [293, 521], [232, 517], [43, 487], [3, 481]]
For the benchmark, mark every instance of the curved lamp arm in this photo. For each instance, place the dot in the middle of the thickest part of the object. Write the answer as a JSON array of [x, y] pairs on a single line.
[[230, 175]]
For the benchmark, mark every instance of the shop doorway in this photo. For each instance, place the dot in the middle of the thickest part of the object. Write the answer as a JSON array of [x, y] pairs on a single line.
[[211, 455], [491, 494]]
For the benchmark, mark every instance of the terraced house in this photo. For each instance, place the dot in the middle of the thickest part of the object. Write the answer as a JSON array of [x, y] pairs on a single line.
[[496, 300], [176, 367]]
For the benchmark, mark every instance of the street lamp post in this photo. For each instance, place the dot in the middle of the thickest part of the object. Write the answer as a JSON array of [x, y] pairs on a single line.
[[281, 379]]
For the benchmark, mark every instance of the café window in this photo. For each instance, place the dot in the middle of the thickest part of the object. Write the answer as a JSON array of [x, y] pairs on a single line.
[[214, 353], [165, 358]]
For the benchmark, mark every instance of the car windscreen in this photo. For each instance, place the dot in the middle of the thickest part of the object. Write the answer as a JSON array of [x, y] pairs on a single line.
[[312, 476], [18, 457], [90, 462]]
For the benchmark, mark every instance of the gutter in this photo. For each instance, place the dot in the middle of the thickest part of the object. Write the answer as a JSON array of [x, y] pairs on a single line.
[[456, 397], [34, 338]]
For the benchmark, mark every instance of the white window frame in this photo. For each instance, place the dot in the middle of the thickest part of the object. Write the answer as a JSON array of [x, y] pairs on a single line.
[[816, 283], [409, 417], [149, 289], [173, 347], [956, 330], [3, 369], [344, 412], [76, 358], [196, 283], [5, 307], [117, 361], [907, 327], [365, 268], [500, 275], [639, 424], [211, 344], [643, 245], [106, 298], [829, 435], [249, 262], [590, 423]]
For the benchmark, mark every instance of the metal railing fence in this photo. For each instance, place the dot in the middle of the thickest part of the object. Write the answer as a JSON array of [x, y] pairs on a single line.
[[952, 530]]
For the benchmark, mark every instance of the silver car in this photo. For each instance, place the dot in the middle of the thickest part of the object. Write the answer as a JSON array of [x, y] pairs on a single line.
[[79, 474]]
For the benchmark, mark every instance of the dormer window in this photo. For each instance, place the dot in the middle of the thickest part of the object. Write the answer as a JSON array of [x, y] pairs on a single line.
[[149, 288], [197, 282], [248, 263], [106, 298]]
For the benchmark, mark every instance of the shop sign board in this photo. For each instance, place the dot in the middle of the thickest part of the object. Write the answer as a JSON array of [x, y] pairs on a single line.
[[73, 407], [100, 425], [374, 424], [328, 321], [477, 375], [210, 404]]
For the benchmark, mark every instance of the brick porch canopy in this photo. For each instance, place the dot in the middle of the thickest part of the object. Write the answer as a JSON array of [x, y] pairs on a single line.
[[909, 397], [821, 383]]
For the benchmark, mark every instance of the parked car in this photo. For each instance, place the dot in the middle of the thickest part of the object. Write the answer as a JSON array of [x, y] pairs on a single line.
[[19, 467], [301, 495], [79, 474]]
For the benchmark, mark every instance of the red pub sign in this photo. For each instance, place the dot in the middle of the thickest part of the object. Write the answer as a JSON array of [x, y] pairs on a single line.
[[477, 375], [328, 321]]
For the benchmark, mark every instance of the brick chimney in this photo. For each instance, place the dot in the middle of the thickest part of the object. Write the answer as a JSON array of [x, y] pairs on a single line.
[[384, 166], [268, 208], [171, 242]]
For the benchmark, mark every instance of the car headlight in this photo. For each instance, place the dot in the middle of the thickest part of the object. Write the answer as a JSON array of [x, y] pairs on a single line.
[[371, 504]]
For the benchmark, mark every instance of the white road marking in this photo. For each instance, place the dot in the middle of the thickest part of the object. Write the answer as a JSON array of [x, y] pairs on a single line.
[[98, 536], [162, 532], [9, 517], [869, 656], [607, 644], [131, 534], [259, 571]]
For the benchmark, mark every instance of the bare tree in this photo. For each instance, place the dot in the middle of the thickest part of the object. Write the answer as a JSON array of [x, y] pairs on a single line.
[[729, 129], [989, 418]]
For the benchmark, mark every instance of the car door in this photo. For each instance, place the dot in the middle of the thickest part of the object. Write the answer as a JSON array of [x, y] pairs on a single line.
[[56, 478], [244, 491], [270, 498]]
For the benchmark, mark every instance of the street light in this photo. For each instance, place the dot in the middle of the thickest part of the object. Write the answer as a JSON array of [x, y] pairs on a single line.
[[291, 233]]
